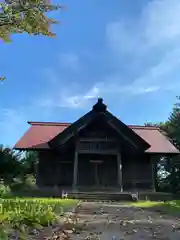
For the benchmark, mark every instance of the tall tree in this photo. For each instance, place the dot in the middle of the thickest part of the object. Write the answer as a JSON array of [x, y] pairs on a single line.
[[173, 124], [10, 165], [170, 165], [30, 16]]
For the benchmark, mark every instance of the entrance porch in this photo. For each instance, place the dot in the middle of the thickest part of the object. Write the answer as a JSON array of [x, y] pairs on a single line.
[[98, 171]]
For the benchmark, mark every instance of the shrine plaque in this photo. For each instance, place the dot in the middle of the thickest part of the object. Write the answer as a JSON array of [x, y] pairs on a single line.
[[96, 146]]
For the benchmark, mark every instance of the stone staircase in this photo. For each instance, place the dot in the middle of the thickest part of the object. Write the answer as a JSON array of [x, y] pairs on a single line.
[[120, 196], [94, 196]]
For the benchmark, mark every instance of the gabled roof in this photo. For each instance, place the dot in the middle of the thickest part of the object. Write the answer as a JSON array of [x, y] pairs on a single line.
[[40, 134], [99, 111]]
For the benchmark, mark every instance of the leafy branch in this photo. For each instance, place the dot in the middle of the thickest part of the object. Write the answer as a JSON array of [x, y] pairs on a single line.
[[19, 16]]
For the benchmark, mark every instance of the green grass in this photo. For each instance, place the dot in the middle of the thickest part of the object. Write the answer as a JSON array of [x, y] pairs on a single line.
[[18, 213], [145, 204], [169, 207]]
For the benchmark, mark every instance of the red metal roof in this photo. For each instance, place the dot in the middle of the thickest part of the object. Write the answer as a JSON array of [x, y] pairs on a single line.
[[158, 141], [40, 133]]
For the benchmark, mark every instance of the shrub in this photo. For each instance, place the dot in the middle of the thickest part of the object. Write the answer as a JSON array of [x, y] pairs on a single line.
[[5, 190], [22, 214], [30, 182], [24, 187], [31, 211]]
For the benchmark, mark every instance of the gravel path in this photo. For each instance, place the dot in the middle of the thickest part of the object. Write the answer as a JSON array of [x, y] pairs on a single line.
[[113, 221], [106, 221]]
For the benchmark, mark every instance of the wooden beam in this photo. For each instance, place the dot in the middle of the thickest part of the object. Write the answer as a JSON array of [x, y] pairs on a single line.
[[96, 174], [134, 174], [125, 137], [97, 140], [113, 152], [96, 161], [75, 171], [65, 162], [119, 171], [57, 173]]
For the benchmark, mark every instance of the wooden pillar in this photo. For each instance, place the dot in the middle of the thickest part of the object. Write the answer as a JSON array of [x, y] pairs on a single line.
[[96, 165], [153, 169], [119, 171], [134, 174], [75, 171], [57, 172]]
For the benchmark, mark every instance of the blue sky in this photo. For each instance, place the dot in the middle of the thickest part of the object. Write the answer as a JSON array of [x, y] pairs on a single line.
[[126, 51]]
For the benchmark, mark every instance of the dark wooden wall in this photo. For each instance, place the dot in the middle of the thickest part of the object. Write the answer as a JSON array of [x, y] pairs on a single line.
[[137, 172], [107, 170], [55, 169], [98, 128]]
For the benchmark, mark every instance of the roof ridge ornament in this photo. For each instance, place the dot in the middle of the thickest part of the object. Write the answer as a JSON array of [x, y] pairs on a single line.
[[100, 106]]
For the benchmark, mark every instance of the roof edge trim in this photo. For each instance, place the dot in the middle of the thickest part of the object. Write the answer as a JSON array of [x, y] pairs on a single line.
[[68, 123], [49, 123]]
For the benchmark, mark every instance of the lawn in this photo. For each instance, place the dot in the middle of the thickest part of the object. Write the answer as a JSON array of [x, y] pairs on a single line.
[[169, 207], [24, 213]]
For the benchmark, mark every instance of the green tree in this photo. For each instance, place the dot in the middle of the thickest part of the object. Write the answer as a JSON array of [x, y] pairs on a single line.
[[19, 16], [10, 165], [29, 162], [173, 132], [30, 16], [15, 165], [170, 181], [161, 125], [173, 124]]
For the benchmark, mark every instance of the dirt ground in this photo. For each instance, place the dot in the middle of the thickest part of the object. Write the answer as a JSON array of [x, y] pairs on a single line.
[[106, 221]]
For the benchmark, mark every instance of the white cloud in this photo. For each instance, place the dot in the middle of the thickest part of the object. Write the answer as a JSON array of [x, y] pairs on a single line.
[[69, 99], [107, 90], [153, 41], [158, 25], [70, 61], [120, 38], [158, 75], [155, 79], [93, 93], [161, 19]]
